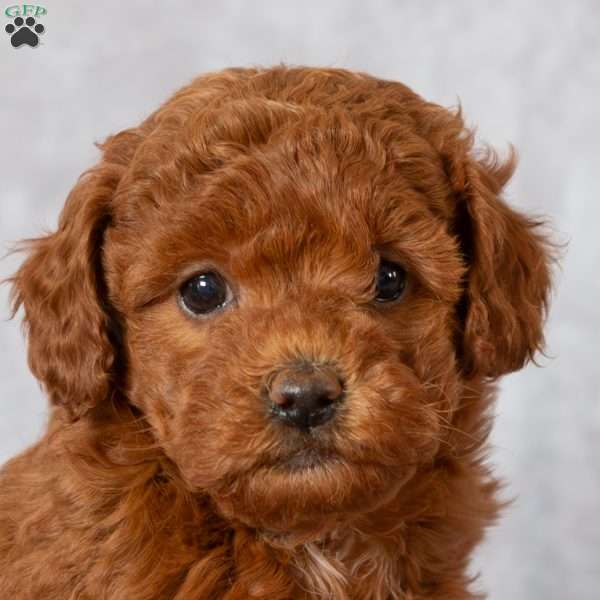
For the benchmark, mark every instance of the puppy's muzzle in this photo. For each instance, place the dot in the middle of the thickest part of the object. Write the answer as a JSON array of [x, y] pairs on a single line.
[[305, 396]]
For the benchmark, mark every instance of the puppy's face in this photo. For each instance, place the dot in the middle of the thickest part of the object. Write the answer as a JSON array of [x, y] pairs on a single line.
[[302, 292], [285, 322]]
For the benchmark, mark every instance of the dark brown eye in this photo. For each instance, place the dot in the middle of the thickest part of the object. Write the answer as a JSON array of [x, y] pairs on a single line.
[[204, 293], [391, 281]]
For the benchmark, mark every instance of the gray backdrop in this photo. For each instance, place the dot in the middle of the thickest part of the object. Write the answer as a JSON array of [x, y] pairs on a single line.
[[525, 72]]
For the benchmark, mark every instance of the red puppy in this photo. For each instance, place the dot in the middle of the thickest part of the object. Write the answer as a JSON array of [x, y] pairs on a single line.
[[269, 325]]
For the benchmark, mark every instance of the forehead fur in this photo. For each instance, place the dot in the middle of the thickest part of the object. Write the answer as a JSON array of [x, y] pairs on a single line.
[[274, 168]]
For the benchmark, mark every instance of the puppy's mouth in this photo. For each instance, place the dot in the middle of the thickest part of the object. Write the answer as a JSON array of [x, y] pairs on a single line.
[[308, 459], [306, 490]]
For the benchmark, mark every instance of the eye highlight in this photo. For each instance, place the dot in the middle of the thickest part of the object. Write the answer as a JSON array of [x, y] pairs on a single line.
[[391, 281], [204, 293]]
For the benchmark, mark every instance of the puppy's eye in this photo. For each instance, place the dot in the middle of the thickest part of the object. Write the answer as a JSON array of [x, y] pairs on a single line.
[[391, 281], [204, 293]]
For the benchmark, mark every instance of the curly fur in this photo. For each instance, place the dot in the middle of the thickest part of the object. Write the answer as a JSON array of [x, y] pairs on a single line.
[[161, 475]]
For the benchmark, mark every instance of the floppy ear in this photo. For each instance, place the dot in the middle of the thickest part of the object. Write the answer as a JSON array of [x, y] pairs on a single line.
[[508, 278], [71, 335]]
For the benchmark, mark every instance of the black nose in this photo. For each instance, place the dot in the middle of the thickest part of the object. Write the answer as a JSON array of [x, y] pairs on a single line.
[[305, 396]]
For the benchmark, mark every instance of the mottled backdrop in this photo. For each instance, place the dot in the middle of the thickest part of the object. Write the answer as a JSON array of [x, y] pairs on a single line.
[[525, 72]]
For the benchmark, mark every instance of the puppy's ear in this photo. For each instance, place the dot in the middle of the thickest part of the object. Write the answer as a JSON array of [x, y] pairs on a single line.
[[508, 278], [60, 285]]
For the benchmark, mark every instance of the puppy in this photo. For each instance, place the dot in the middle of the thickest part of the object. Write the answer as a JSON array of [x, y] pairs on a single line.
[[269, 326]]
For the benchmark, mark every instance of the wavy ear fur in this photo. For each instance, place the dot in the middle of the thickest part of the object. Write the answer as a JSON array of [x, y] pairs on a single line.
[[71, 334], [508, 278]]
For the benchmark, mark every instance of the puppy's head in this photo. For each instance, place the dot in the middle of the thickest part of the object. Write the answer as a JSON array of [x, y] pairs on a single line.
[[293, 273]]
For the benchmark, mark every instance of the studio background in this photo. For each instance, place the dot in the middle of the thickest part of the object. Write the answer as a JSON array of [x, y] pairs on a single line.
[[525, 72]]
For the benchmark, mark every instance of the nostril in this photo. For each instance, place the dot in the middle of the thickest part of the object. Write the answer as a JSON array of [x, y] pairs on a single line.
[[305, 397]]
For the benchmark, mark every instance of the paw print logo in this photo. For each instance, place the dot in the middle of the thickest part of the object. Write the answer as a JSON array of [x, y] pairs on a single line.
[[24, 32]]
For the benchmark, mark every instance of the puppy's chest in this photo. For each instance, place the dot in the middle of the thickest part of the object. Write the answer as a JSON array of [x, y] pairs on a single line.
[[353, 569]]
